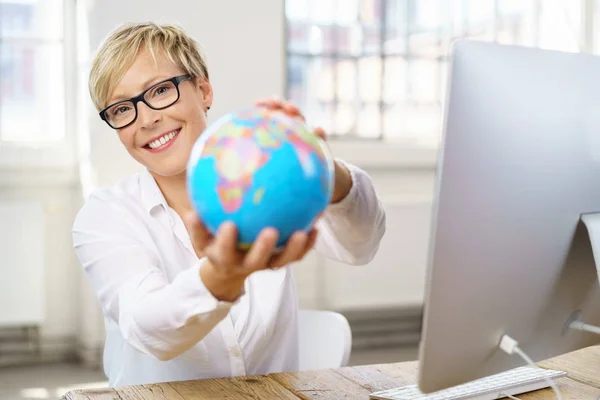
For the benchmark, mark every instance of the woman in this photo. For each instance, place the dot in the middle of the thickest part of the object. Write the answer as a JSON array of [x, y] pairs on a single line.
[[179, 303]]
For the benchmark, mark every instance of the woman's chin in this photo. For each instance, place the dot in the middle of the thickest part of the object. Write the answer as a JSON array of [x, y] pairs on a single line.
[[171, 166], [168, 172]]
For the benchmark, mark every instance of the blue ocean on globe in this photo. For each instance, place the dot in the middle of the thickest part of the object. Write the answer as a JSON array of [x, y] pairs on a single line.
[[260, 168]]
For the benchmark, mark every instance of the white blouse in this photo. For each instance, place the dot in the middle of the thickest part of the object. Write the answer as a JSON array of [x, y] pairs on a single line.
[[162, 324]]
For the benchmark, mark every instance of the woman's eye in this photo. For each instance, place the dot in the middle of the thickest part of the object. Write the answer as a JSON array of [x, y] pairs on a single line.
[[121, 110], [161, 90]]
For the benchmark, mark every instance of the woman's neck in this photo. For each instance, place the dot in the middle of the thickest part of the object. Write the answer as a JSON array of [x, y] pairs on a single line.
[[174, 189]]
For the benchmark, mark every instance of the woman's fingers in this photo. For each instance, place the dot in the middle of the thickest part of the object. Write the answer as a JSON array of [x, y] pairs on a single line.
[[312, 239], [293, 250], [262, 250], [275, 103], [223, 249], [199, 234], [223, 252], [292, 110], [320, 132]]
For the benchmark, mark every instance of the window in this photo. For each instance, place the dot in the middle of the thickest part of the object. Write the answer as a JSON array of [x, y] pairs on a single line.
[[376, 69], [32, 71]]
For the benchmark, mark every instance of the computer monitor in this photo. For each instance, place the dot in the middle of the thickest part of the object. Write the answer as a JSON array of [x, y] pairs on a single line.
[[519, 165]]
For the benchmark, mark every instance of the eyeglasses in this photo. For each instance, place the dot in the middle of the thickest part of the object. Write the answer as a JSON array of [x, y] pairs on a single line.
[[161, 95]]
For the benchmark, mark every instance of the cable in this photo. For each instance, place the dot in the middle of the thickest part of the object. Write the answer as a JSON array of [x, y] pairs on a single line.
[[582, 326], [510, 396], [511, 346]]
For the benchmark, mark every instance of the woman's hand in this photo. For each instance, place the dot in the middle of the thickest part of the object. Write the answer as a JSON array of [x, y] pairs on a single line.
[[227, 267], [343, 179]]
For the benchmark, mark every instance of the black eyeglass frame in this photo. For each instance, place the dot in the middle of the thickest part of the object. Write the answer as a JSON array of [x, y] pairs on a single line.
[[176, 80]]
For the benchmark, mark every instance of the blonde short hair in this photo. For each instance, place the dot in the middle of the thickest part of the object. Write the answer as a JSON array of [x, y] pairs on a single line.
[[120, 48]]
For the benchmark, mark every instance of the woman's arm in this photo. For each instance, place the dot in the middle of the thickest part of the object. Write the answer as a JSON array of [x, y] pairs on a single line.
[[350, 230], [156, 317]]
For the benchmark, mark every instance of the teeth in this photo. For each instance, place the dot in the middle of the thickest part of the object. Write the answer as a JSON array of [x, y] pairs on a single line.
[[162, 140]]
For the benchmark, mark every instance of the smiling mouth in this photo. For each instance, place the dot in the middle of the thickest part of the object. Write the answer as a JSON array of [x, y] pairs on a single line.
[[162, 141]]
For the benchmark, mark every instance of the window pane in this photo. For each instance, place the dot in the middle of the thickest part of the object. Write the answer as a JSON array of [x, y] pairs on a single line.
[[406, 69], [41, 19], [346, 10], [296, 10], [395, 78], [424, 81], [517, 22], [427, 28], [344, 119], [346, 81], [427, 44], [479, 12], [369, 121], [323, 79], [349, 39], [321, 114], [443, 80], [396, 27], [393, 119], [372, 42], [369, 76], [312, 30], [425, 16], [323, 12], [479, 19], [560, 26], [322, 93], [297, 80], [32, 107], [405, 121], [424, 121], [311, 39], [298, 37], [457, 20], [359, 27], [371, 14], [310, 86]]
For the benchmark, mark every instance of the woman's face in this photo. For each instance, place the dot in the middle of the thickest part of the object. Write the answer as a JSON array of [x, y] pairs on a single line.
[[183, 122]]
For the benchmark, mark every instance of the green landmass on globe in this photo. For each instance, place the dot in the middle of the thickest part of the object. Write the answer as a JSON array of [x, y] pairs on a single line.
[[242, 146]]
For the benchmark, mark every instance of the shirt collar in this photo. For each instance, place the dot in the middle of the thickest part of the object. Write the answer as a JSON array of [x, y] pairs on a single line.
[[152, 197]]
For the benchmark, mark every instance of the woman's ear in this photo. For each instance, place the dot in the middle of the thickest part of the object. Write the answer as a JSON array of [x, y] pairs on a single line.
[[207, 92]]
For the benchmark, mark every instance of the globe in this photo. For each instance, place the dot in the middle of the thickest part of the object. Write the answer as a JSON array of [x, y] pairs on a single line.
[[260, 168]]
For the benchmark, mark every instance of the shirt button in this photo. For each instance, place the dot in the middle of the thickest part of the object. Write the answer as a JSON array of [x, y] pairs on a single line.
[[235, 352]]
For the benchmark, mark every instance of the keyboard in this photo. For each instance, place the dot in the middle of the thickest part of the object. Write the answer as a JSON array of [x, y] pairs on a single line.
[[512, 382]]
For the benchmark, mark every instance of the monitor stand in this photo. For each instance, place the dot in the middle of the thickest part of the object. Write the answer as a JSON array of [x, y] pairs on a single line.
[[591, 222], [592, 225]]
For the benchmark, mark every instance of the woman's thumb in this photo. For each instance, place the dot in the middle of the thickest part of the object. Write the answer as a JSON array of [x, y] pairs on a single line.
[[199, 234]]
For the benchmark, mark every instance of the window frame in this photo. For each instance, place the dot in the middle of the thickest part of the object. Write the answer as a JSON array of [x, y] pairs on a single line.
[[58, 155], [412, 153]]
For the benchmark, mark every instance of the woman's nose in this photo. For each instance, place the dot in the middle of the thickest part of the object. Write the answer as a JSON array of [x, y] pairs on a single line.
[[147, 116]]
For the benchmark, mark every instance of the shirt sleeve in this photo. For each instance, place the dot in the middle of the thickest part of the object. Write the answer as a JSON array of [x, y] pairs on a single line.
[[157, 317], [350, 231]]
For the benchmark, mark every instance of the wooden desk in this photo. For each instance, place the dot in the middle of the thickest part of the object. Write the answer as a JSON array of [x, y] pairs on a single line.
[[583, 383]]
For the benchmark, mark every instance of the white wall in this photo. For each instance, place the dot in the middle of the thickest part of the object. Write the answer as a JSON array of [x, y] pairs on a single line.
[[244, 44], [57, 193]]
